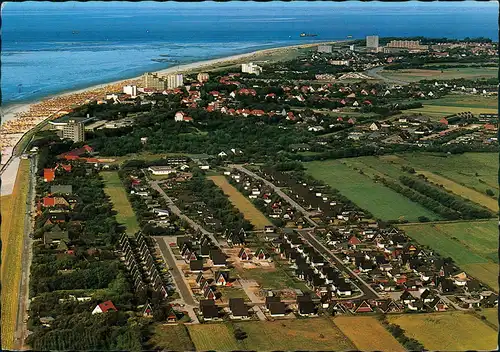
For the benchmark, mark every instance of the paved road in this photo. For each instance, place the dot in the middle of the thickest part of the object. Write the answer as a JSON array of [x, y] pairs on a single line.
[[369, 292], [178, 212], [277, 190], [22, 311], [373, 72], [180, 284]]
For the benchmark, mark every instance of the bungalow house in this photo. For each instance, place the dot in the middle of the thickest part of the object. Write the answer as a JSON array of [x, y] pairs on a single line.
[[200, 279], [55, 236], [209, 309], [260, 254], [196, 266], [218, 258], [238, 308], [104, 307], [49, 175], [438, 305], [46, 321], [277, 309], [307, 308], [222, 277], [209, 293], [407, 298], [426, 296], [61, 189], [244, 254], [362, 307], [49, 202], [416, 305], [389, 306], [147, 311]]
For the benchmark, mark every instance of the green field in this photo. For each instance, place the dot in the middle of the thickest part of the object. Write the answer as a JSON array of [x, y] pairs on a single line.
[[450, 331], [439, 111], [374, 197], [474, 170], [214, 337], [414, 75], [272, 279], [171, 338], [491, 315], [292, 335], [114, 189], [466, 101], [471, 244]]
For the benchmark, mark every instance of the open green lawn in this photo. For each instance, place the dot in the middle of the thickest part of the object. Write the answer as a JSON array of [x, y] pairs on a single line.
[[439, 111], [273, 279], [471, 244], [114, 189], [374, 197], [491, 315], [171, 338]]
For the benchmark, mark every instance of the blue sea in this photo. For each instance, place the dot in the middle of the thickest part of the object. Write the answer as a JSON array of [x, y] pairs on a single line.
[[48, 48]]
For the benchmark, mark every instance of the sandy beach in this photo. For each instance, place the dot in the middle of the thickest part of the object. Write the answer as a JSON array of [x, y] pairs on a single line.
[[18, 119]]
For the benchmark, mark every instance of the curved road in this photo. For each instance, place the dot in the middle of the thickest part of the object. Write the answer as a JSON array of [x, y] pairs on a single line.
[[373, 72]]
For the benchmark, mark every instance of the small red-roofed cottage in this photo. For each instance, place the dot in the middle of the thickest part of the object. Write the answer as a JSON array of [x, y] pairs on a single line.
[[187, 119], [340, 119], [444, 121], [49, 201], [354, 241], [65, 167], [490, 127], [49, 175], [104, 307]]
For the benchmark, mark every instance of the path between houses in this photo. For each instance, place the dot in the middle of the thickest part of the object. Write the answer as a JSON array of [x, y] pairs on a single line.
[[178, 212], [246, 285], [180, 281], [369, 292], [278, 191]]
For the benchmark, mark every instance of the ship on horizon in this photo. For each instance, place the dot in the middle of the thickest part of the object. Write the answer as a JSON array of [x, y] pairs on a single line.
[[303, 34]]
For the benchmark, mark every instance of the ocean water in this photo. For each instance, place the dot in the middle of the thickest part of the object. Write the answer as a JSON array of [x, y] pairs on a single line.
[[49, 48]]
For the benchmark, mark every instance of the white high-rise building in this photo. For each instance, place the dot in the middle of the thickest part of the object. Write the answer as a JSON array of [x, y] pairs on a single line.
[[130, 90], [372, 41], [251, 68], [174, 81]]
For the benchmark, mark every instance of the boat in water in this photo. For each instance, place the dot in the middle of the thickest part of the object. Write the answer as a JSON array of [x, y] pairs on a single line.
[[308, 35]]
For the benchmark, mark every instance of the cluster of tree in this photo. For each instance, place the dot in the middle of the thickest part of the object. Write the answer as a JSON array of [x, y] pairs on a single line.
[[84, 331], [408, 343], [467, 209], [428, 202], [218, 203], [56, 273]]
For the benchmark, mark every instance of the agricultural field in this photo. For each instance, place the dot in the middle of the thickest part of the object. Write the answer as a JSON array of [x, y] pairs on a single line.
[[474, 170], [114, 189], [439, 111], [471, 244], [479, 174], [171, 338], [296, 334], [491, 315], [214, 337], [244, 205], [374, 197], [367, 334], [452, 331], [462, 191], [12, 231], [414, 75], [465, 101]]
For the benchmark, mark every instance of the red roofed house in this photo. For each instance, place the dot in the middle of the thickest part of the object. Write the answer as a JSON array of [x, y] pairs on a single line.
[[258, 112], [104, 307], [76, 153], [444, 121], [188, 119], [65, 167], [354, 241], [49, 175], [53, 201], [490, 127]]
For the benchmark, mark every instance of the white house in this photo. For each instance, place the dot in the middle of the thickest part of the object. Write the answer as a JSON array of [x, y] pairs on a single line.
[[161, 170]]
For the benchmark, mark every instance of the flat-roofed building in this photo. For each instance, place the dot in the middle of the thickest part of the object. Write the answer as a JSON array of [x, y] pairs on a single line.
[[74, 130], [174, 81], [161, 170], [324, 49], [202, 77], [372, 41], [251, 68], [153, 81]]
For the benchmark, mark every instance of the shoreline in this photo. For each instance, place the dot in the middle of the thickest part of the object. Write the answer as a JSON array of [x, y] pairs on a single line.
[[7, 111], [16, 113]]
